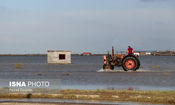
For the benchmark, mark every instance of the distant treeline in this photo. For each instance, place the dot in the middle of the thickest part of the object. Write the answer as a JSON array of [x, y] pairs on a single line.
[[152, 54], [23, 54], [44, 55], [163, 53]]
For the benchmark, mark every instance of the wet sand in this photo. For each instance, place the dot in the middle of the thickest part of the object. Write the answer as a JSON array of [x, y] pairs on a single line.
[[94, 97]]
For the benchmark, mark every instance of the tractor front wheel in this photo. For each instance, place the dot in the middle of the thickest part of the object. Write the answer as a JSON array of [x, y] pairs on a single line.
[[108, 66]]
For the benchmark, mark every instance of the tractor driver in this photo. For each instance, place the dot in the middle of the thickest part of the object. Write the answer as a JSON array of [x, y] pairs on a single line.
[[130, 50]]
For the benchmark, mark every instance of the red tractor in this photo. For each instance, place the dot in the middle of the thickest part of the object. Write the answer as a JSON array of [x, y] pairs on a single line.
[[128, 62]]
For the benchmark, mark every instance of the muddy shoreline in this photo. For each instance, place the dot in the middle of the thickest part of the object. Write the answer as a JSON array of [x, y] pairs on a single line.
[[130, 95], [26, 103]]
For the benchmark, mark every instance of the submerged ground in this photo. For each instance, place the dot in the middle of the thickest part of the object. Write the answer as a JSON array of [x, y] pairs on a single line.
[[85, 72]]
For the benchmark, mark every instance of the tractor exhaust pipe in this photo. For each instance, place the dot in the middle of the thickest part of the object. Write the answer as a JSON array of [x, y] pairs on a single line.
[[112, 51]]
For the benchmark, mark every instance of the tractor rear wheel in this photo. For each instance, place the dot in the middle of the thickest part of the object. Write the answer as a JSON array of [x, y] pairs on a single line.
[[130, 63]]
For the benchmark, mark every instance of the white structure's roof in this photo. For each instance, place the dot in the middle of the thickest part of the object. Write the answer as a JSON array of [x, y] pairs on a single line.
[[59, 51]]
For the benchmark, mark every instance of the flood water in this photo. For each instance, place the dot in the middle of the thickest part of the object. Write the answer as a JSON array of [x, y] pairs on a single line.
[[85, 72]]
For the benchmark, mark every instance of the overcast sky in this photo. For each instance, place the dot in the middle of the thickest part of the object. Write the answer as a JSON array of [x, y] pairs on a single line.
[[35, 26]]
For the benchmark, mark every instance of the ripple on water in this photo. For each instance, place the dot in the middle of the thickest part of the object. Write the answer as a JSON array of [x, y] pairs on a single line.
[[120, 70]]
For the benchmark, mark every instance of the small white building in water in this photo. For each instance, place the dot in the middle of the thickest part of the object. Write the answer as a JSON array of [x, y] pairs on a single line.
[[148, 53], [137, 53], [58, 57]]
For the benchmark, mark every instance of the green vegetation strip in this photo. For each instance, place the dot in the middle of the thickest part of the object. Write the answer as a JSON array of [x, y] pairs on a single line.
[[162, 97]]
